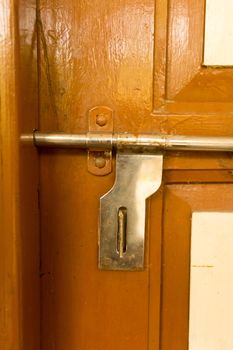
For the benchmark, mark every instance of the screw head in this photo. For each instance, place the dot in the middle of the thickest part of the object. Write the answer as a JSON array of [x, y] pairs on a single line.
[[101, 119], [100, 162]]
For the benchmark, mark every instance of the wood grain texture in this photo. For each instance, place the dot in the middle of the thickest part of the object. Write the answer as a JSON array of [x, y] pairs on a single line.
[[19, 238], [198, 176], [185, 43], [9, 270], [82, 306], [182, 84], [102, 54], [28, 174], [90, 55]]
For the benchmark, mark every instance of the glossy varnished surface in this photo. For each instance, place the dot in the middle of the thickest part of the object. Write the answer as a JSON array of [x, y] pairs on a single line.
[[28, 175], [19, 239], [90, 55], [185, 199], [9, 317], [143, 59], [93, 53], [180, 77]]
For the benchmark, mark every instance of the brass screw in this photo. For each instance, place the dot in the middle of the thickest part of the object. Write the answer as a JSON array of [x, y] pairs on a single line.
[[100, 162], [101, 119]]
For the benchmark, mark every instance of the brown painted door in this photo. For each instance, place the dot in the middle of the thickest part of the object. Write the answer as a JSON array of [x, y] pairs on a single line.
[[143, 59]]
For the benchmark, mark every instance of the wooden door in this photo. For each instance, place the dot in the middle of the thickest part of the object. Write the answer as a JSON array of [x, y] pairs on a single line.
[[143, 59], [19, 217]]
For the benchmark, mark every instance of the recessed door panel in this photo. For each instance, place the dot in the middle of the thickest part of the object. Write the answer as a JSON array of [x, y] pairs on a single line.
[[179, 331]]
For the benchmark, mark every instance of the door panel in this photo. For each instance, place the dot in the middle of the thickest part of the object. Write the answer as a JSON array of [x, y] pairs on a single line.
[[186, 199], [182, 83], [89, 56]]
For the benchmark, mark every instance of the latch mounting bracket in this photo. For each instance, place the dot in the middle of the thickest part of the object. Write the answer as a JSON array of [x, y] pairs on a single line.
[[99, 162], [123, 210]]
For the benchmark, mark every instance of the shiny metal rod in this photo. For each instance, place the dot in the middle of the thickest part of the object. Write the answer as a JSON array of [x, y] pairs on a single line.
[[141, 142]]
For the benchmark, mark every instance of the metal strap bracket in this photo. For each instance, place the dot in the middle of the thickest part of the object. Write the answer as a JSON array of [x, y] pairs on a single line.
[[99, 162]]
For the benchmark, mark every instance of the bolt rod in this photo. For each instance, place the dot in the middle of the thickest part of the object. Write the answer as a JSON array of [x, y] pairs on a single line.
[[149, 142]]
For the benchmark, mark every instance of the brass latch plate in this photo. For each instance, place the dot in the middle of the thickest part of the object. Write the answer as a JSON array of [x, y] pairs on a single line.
[[123, 211]]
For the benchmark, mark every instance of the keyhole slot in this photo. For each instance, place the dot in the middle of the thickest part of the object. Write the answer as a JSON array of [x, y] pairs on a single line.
[[122, 231]]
